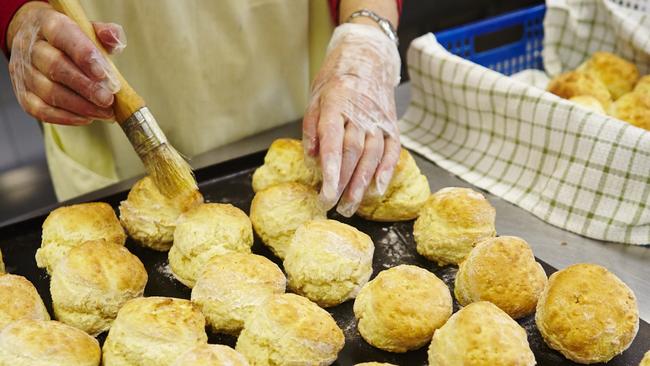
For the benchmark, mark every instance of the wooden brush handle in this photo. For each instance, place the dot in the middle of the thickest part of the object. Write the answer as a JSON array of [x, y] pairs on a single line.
[[127, 101]]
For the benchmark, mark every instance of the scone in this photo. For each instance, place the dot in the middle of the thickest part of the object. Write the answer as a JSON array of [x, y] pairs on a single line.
[[574, 83], [285, 162], [646, 360], [31, 342], [20, 300], [480, 334], [451, 222], [374, 364], [405, 195], [589, 102], [587, 313], [290, 330], [70, 226], [153, 331], [400, 309], [149, 217], [232, 286], [211, 355], [328, 261], [643, 86], [277, 211], [618, 75], [504, 272], [633, 108], [204, 233], [92, 283]]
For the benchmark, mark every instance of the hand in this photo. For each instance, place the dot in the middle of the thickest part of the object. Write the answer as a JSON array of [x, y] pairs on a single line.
[[58, 74], [351, 122]]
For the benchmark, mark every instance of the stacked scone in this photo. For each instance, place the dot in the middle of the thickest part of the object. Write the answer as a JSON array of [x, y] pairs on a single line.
[[607, 84]]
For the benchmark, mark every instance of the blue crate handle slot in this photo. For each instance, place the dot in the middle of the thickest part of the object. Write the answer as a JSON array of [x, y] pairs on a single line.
[[509, 58]]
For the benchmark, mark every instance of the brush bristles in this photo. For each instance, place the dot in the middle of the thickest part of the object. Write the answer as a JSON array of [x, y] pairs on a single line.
[[170, 172]]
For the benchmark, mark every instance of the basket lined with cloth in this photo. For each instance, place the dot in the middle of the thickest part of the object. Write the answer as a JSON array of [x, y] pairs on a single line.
[[580, 170]]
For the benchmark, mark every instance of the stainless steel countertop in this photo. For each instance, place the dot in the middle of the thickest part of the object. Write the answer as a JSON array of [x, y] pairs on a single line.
[[555, 246]]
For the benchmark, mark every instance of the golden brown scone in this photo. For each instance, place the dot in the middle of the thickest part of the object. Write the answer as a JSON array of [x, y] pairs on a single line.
[[285, 162], [20, 300], [328, 261], [374, 364], [277, 211], [290, 330], [646, 360], [204, 233], [643, 86], [480, 334], [451, 222], [589, 102], [618, 75], [2, 264], [31, 342], [587, 313], [70, 226], [633, 108], [405, 195], [504, 272], [211, 355], [92, 283], [149, 217], [400, 309], [232, 286], [153, 331], [574, 83]]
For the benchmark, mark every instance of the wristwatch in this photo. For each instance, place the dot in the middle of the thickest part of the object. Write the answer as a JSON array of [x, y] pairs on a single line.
[[384, 24]]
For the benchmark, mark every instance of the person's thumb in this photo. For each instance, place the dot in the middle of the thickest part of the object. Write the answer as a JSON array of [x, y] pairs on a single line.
[[112, 36]]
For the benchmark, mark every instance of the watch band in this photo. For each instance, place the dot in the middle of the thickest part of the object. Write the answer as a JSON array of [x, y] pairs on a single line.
[[384, 24]]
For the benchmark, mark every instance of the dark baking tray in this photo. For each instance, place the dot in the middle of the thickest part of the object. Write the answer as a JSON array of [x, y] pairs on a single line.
[[230, 182]]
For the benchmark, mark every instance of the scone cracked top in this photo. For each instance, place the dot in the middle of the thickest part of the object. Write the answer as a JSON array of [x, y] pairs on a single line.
[[285, 162]]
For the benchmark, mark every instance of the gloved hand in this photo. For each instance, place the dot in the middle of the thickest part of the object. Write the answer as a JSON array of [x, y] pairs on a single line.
[[58, 74], [351, 123]]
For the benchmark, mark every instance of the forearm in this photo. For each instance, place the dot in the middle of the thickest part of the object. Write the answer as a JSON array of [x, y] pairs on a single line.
[[388, 9]]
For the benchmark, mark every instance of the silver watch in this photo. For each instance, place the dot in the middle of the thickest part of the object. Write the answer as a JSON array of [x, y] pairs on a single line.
[[384, 24]]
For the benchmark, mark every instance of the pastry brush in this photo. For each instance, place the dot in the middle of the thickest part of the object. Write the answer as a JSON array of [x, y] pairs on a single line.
[[170, 172]]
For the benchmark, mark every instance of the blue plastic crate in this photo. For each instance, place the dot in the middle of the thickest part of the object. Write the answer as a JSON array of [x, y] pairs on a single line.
[[522, 30]]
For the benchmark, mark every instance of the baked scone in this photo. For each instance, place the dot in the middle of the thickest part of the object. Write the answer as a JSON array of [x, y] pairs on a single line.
[[2, 264], [405, 195], [232, 286], [277, 211], [646, 360], [589, 102], [20, 300], [574, 83], [374, 364], [587, 313], [633, 108], [70, 226], [504, 272], [400, 309], [451, 222], [204, 233], [285, 162], [92, 283], [211, 355], [149, 217], [328, 261], [643, 85], [153, 331], [290, 330], [31, 342], [618, 75], [480, 334]]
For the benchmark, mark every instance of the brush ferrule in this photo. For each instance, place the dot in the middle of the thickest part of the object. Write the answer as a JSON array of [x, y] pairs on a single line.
[[143, 131]]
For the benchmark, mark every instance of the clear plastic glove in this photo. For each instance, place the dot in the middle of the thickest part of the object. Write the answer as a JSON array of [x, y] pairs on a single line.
[[58, 74], [351, 123]]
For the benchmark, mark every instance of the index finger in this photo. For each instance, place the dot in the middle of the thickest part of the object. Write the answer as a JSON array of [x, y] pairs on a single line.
[[330, 134]]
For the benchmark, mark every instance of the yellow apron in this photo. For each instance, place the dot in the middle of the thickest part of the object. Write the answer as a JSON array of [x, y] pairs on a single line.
[[212, 72]]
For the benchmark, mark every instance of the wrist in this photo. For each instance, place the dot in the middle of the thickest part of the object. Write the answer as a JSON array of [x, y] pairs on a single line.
[[19, 17]]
